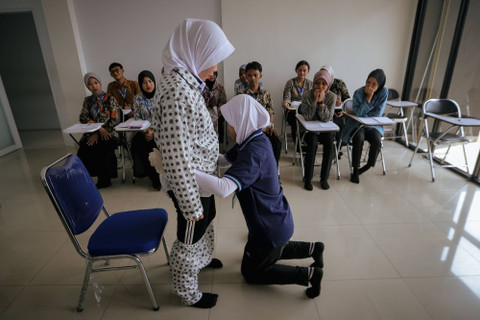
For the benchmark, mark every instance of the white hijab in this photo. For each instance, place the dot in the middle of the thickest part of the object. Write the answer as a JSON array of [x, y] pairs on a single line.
[[329, 69], [245, 115], [196, 45]]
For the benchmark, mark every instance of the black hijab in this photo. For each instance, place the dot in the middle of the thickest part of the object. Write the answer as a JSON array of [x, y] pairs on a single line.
[[381, 78], [141, 76]]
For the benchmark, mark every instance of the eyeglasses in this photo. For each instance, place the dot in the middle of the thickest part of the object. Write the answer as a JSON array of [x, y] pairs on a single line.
[[115, 70]]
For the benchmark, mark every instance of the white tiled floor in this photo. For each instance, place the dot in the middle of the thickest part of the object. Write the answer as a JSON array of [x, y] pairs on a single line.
[[397, 247]]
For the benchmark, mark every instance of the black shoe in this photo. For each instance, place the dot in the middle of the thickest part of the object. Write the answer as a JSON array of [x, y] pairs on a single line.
[[308, 185], [354, 178], [208, 300], [103, 183], [324, 184], [215, 264]]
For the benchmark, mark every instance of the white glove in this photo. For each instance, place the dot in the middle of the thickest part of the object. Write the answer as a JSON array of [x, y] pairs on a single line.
[[155, 158]]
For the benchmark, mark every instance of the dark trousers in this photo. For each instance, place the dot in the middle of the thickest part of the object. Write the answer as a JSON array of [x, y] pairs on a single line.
[[209, 212], [292, 121], [140, 151], [312, 139], [374, 138], [99, 159], [276, 146], [260, 265]]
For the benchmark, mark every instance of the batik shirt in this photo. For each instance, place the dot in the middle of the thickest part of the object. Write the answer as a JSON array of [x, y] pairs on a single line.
[[340, 89], [124, 94], [262, 96], [143, 107], [100, 108], [188, 141]]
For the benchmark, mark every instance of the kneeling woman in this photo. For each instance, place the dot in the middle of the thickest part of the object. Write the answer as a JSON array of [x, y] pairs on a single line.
[[97, 149], [253, 176], [319, 104], [368, 101]]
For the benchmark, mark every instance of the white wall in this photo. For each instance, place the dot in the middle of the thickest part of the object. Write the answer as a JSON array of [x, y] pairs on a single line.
[[133, 33], [355, 37], [86, 35]]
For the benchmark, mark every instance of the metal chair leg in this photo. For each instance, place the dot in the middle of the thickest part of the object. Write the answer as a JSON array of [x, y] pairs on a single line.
[[83, 292], [147, 283], [165, 247]]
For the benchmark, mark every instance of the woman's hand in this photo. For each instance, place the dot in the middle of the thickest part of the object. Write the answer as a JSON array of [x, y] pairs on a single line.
[[148, 134], [270, 130], [104, 134], [92, 139], [318, 96], [369, 93], [339, 101], [285, 105]]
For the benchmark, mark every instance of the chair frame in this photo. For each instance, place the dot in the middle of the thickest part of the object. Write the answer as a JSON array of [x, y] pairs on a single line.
[[299, 141], [106, 258], [398, 117], [434, 141]]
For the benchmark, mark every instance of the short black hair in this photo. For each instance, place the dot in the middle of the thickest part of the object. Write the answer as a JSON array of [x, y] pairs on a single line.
[[113, 65], [301, 63], [254, 65]]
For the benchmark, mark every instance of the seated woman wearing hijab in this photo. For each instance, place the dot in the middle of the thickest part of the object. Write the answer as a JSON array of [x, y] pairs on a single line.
[[253, 177], [340, 89], [143, 142], [187, 141], [97, 149], [293, 91], [368, 101], [319, 104]]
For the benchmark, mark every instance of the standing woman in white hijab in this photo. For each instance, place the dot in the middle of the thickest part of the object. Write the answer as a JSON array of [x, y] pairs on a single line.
[[187, 141]]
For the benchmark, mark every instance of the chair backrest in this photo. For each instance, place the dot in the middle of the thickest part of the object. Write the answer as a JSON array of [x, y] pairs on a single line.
[[442, 106], [347, 104], [392, 94], [73, 193]]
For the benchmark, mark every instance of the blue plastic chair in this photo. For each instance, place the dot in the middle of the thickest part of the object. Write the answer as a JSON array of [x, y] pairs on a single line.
[[123, 235]]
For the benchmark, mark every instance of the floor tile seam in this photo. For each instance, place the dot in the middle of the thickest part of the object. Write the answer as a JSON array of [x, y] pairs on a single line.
[[49, 260], [13, 300], [458, 243]]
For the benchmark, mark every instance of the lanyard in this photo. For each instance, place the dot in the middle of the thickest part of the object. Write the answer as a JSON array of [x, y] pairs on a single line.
[[124, 94], [99, 104], [148, 103], [300, 90]]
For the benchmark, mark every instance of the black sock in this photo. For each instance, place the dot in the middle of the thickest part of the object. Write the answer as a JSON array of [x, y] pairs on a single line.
[[364, 168], [215, 264], [208, 300], [315, 281], [317, 255]]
